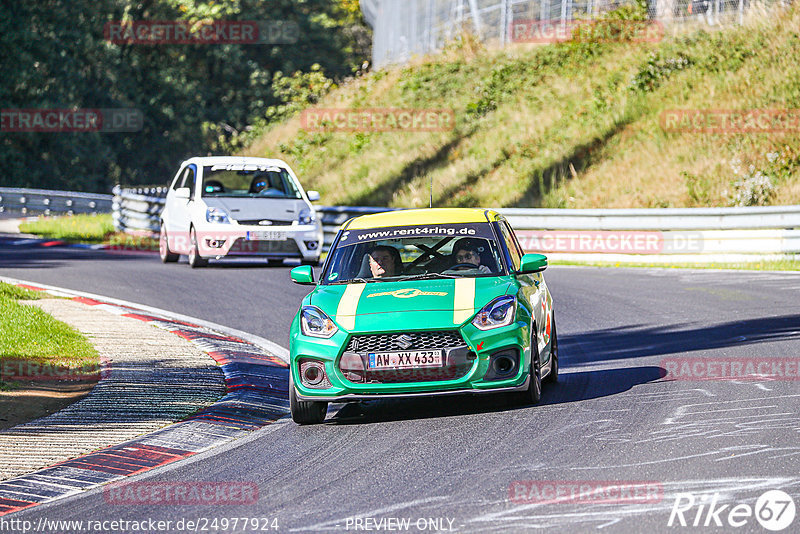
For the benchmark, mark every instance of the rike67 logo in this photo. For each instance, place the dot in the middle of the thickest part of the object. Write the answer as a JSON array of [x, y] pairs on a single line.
[[774, 510]]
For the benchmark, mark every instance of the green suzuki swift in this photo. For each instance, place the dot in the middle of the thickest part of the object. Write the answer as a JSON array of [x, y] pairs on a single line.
[[424, 303]]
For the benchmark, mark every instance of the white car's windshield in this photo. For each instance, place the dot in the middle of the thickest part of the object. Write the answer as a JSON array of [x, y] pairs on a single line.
[[411, 252], [248, 181]]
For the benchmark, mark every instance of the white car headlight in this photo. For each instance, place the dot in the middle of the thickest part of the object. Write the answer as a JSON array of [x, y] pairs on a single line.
[[306, 216], [499, 312], [314, 323], [217, 215]]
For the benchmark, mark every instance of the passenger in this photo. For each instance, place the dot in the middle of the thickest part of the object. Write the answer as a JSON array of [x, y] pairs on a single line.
[[469, 250], [385, 261]]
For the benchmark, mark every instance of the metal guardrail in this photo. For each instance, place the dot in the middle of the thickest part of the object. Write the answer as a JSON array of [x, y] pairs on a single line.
[[49, 202], [402, 29], [650, 235], [655, 218], [138, 210]]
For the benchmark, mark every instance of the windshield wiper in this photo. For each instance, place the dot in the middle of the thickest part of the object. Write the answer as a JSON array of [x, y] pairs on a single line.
[[424, 276], [355, 280]]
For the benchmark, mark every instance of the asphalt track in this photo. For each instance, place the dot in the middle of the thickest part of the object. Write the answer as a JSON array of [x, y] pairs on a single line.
[[611, 418]]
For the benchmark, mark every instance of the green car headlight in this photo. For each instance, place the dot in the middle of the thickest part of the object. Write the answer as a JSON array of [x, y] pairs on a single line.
[[499, 312], [314, 323]]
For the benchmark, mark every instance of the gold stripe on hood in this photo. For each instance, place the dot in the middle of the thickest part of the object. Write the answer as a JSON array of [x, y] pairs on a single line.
[[346, 312], [464, 302]]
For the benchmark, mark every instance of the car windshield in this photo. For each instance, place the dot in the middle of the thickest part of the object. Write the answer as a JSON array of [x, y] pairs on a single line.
[[415, 252], [248, 181]]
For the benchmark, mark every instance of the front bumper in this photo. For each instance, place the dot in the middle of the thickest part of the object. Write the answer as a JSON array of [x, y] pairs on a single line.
[[234, 240], [476, 380], [350, 397]]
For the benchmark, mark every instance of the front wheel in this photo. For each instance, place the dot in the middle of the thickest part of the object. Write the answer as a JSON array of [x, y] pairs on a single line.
[[306, 412], [166, 255], [552, 378], [194, 253], [533, 394]]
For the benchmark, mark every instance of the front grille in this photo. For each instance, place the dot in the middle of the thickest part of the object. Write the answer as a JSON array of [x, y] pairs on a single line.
[[457, 363], [443, 339], [254, 222], [243, 246]]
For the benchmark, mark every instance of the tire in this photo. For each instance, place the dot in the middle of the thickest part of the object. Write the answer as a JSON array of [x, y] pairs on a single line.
[[552, 378], [533, 394], [306, 412], [194, 253], [163, 247]]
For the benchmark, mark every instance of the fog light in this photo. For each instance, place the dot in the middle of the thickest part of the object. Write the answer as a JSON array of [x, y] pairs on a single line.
[[215, 243], [311, 245], [312, 374], [503, 364]]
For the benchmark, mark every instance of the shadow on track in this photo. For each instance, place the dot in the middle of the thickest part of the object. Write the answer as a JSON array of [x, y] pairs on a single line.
[[572, 387], [638, 340]]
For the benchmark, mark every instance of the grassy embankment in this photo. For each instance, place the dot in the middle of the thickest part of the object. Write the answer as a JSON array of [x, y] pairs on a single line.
[[95, 229], [28, 334], [567, 125]]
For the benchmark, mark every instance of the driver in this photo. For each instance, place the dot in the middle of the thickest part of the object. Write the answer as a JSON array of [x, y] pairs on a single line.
[[385, 261], [467, 250]]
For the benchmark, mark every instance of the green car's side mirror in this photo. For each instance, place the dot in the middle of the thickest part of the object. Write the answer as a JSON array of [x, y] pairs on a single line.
[[303, 275], [533, 263]]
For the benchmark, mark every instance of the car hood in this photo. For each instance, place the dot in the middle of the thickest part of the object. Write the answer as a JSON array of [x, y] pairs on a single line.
[[276, 209], [410, 305]]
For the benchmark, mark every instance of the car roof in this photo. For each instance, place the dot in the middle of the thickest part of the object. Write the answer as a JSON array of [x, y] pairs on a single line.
[[422, 216], [234, 160]]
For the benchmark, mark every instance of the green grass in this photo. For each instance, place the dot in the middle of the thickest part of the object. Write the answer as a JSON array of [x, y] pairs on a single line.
[[569, 125], [10, 291], [93, 229], [73, 228], [772, 265], [31, 335]]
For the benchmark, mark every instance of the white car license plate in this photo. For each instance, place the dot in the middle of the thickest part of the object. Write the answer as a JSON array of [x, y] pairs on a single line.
[[401, 360], [266, 235]]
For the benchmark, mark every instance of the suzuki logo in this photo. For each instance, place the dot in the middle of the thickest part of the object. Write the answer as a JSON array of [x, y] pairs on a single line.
[[265, 223], [404, 341]]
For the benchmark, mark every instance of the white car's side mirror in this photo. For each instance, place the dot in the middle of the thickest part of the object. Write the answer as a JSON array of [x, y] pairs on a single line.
[[183, 192], [313, 196]]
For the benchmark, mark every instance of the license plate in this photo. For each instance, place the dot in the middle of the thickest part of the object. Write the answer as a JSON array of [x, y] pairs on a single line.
[[402, 360], [266, 235]]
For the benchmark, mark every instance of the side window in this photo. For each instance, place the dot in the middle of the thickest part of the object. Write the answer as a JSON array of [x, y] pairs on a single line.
[[188, 181], [511, 245], [520, 251], [176, 183]]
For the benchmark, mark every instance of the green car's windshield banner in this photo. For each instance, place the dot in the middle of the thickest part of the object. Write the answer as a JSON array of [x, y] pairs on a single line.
[[353, 237]]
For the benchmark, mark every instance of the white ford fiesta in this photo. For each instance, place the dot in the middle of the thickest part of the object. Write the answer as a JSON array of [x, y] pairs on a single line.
[[229, 206]]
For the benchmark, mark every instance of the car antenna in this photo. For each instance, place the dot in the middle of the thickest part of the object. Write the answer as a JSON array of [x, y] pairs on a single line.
[[430, 205]]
